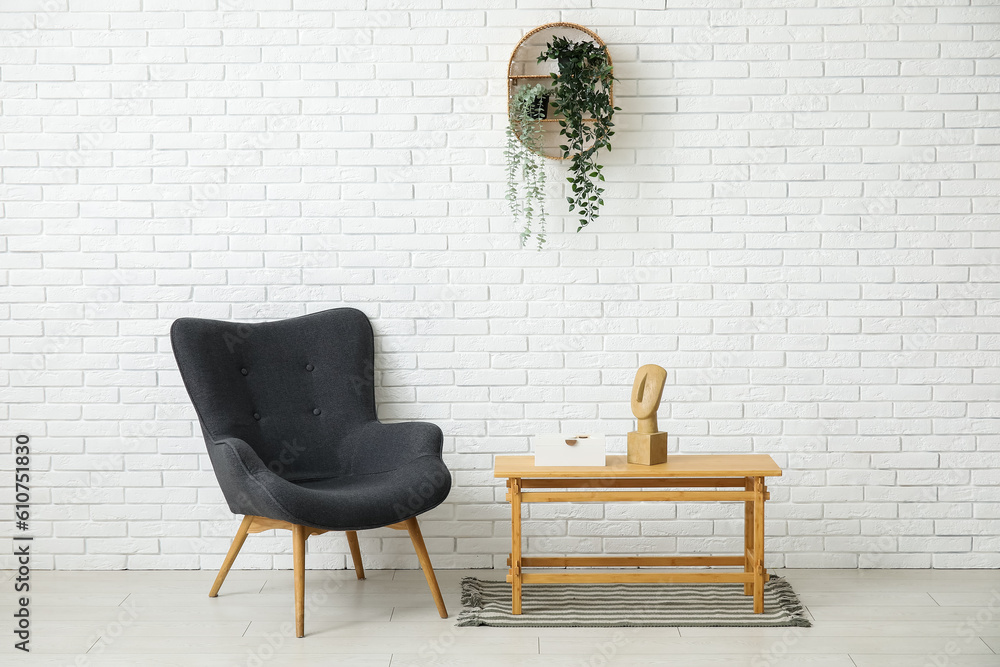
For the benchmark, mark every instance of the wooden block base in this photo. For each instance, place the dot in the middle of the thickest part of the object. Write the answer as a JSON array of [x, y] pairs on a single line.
[[648, 449]]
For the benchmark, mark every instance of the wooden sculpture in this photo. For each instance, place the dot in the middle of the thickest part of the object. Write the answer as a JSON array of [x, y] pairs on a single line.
[[648, 444]]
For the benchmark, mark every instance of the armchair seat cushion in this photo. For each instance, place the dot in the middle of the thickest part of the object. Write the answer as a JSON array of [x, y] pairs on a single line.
[[362, 501]]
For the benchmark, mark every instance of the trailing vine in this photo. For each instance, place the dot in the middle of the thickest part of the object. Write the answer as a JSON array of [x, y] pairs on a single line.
[[524, 162], [582, 95]]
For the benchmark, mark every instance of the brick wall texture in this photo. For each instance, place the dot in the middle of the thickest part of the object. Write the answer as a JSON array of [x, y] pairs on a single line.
[[800, 226]]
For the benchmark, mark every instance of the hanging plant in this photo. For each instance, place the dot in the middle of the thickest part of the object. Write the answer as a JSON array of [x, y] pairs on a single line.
[[582, 95], [524, 162]]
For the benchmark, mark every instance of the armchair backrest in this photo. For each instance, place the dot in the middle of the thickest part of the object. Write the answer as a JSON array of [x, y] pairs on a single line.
[[291, 389]]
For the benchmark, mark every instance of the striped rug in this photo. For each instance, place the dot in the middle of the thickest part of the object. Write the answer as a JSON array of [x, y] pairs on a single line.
[[629, 605]]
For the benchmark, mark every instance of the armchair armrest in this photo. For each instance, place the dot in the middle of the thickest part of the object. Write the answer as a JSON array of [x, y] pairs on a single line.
[[243, 453], [377, 447], [249, 486]]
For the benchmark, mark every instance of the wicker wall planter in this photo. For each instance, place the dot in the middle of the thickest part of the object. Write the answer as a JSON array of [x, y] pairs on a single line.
[[523, 69]]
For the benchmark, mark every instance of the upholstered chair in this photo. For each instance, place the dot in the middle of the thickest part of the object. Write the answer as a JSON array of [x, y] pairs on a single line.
[[288, 413]]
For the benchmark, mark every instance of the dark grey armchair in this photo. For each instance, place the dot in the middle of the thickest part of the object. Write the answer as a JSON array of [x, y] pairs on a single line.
[[288, 413]]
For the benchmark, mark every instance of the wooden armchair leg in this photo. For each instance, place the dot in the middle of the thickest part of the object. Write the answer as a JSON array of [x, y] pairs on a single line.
[[234, 550], [352, 541], [299, 535], [425, 563]]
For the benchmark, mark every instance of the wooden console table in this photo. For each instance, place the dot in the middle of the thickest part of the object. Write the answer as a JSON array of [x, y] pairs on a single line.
[[717, 478]]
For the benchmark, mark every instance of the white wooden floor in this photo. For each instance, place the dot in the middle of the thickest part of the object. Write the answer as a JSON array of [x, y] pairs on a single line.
[[866, 618]]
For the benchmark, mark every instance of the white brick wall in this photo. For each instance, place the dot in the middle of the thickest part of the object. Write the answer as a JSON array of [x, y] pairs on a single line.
[[800, 226]]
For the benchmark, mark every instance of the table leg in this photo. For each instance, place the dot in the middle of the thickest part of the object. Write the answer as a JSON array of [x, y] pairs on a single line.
[[515, 538], [748, 535], [758, 545]]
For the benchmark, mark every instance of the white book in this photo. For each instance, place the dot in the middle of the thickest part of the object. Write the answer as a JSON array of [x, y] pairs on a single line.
[[575, 449]]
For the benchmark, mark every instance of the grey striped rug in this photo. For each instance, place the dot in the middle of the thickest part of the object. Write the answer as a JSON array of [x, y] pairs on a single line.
[[629, 605]]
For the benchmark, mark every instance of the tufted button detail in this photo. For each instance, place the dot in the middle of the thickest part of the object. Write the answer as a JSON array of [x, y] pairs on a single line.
[[256, 416], [316, 411], [244, 371], [309, 367]]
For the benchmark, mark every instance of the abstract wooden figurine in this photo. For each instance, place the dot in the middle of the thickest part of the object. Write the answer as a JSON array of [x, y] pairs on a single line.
[[648, 444]]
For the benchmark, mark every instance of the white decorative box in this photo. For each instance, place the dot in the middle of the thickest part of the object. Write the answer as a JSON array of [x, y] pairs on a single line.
[[558, 449]]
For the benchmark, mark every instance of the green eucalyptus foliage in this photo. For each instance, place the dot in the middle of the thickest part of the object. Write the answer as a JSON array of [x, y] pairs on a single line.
[[525, 164], [582, 90]]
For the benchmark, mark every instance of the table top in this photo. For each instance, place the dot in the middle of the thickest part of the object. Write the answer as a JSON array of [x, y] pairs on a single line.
[[677, 465]]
